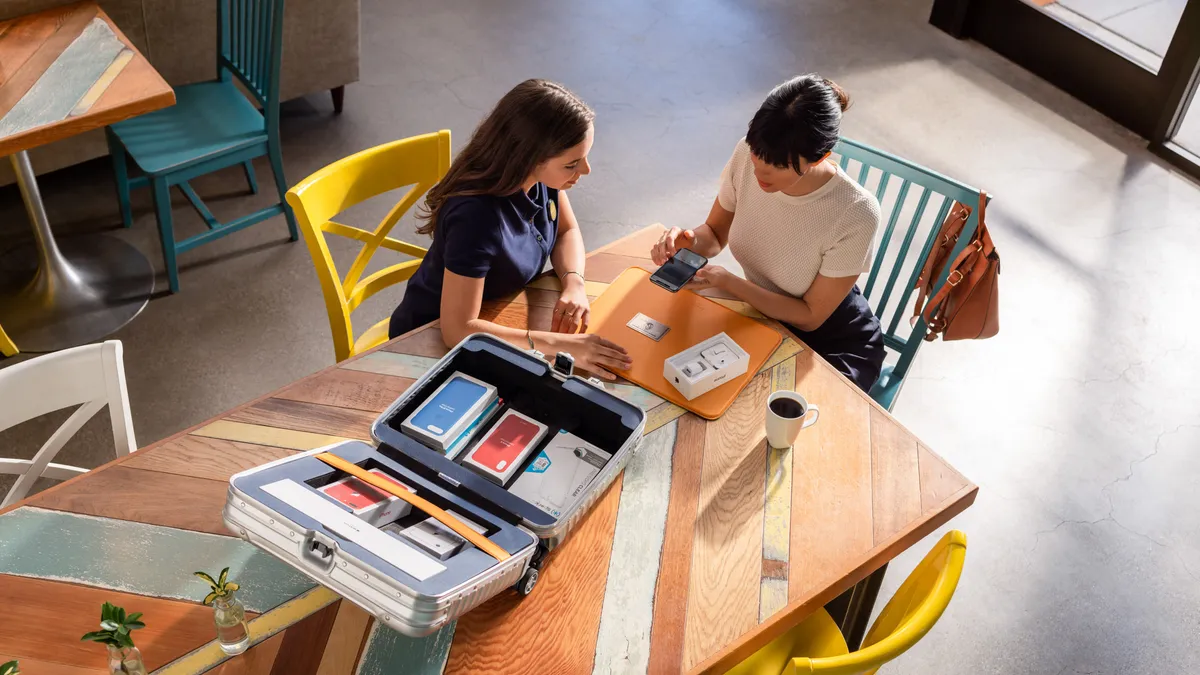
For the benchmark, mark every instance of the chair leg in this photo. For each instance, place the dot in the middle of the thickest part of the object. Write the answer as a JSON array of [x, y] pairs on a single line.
[[281, 184], [162, 208], [339, 98], [121, 170], [249, 167]]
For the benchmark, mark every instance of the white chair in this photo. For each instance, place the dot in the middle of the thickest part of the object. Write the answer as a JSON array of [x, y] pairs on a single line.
[[92, 375]]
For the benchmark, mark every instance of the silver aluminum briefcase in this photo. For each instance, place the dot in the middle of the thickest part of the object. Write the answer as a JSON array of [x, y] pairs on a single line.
[[278, 506]]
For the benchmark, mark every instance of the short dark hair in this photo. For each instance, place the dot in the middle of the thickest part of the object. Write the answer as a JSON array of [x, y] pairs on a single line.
[[800, 119], [535, 121]]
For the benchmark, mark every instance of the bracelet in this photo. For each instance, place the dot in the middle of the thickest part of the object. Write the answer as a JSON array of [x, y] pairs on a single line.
[[563, 278], [530, 339]]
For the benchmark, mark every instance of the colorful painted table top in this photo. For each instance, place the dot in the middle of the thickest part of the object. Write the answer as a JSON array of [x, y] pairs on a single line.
[[706, 546], [67, 70]]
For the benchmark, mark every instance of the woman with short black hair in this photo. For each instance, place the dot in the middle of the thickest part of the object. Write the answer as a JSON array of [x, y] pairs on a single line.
[[801, 229]]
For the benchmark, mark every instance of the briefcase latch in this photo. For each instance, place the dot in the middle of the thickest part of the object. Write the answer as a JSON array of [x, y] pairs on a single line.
[[564, 363]]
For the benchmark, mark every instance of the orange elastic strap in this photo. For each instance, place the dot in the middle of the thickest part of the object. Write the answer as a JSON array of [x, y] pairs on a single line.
[[481, 542]]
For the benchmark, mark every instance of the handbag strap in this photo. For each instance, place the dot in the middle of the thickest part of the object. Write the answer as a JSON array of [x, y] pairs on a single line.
[[929, 310]]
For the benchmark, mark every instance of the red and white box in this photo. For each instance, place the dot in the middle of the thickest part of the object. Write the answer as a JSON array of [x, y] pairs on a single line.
[[365, 501], [502, 450]]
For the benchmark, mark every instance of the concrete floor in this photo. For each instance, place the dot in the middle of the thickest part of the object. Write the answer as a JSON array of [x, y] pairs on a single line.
[[1075, 421]]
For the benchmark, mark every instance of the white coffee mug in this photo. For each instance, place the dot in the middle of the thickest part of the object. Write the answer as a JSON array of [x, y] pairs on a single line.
[[781, 430]]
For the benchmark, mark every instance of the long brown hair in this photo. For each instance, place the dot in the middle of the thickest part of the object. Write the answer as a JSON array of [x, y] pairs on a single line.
[[535, 121]]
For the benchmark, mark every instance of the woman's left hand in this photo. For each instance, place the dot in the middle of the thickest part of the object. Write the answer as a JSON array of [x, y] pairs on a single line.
[[709, 276], [572, 310]]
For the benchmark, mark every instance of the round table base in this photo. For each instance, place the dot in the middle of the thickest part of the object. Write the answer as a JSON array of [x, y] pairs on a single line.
[[98, 285]]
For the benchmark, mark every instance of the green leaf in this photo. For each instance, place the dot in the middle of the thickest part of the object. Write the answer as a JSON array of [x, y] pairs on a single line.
[[208, 599], [134, 625], [133, 617], [107, 612], [224, 577], [205, 577], [10, 668], [123, 630], [124, 640], [231, 587], [96, 636], [109, 625], [120, 614]]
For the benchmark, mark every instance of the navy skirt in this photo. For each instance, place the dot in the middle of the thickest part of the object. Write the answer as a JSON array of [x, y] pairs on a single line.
[[851, 340]]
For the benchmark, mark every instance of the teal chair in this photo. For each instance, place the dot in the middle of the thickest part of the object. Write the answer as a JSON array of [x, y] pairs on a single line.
[[906, 193], [212, 126]]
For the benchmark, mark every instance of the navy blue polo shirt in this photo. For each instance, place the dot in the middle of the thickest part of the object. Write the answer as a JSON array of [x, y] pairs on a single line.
[[505, 241]]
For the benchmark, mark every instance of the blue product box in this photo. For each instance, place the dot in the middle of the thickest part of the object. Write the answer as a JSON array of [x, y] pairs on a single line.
[[453, 410]]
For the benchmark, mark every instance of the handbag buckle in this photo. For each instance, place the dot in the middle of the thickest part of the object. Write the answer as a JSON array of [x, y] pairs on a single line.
[[951, 280]]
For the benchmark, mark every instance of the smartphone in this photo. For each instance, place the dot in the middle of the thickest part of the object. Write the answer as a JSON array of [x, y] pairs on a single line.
[[679, 270]]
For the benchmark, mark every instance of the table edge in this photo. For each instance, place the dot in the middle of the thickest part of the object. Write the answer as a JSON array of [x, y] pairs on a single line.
[[795, 611]]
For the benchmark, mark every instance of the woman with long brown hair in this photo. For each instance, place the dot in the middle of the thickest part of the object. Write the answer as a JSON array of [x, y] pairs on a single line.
[[498, 215]]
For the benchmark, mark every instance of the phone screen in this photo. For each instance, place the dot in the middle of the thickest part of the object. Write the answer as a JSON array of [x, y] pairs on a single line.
[[679, 270]]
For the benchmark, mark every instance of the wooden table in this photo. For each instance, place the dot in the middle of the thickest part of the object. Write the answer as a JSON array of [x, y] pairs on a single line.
[[64, 71], [706, 547]]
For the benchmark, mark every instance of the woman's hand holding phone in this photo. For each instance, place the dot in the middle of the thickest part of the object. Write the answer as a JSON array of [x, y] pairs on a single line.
[[709, 276], [671, 241]]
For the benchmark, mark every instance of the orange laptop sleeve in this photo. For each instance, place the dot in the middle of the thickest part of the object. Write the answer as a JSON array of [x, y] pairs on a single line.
[[691, 319]]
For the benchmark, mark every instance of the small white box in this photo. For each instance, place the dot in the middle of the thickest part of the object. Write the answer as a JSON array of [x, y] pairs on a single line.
[[560, 474], [703, 367], [431, 536]]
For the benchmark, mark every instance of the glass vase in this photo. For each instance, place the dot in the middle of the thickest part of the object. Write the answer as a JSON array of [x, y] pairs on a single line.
[[230, 617], [125, 661]]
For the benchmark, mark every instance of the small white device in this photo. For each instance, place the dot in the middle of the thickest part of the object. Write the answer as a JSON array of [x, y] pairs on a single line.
[[431, 536], [703, 367]]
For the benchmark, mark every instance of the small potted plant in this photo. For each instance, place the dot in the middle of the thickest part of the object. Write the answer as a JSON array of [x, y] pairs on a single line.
[[115, 629], [10, 668], [228, 613]]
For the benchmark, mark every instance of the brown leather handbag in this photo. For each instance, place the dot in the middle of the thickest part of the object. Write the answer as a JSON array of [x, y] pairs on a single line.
[[967, 306]]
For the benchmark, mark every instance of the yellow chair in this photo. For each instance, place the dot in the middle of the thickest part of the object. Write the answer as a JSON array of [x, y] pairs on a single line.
[[7, 347], [816, 645], [420, 161]]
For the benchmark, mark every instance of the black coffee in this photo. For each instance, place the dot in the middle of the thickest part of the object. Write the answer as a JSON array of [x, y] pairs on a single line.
[[786, 408]]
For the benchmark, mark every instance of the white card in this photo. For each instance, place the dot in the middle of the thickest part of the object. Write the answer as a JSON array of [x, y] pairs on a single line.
[[648, 327]]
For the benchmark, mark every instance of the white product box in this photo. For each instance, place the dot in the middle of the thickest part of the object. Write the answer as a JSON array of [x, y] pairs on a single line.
[[560, 474], [703, 367], [431, 536]]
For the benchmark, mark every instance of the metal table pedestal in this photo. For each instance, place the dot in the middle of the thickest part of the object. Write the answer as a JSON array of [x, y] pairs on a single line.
[[57, 295]]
